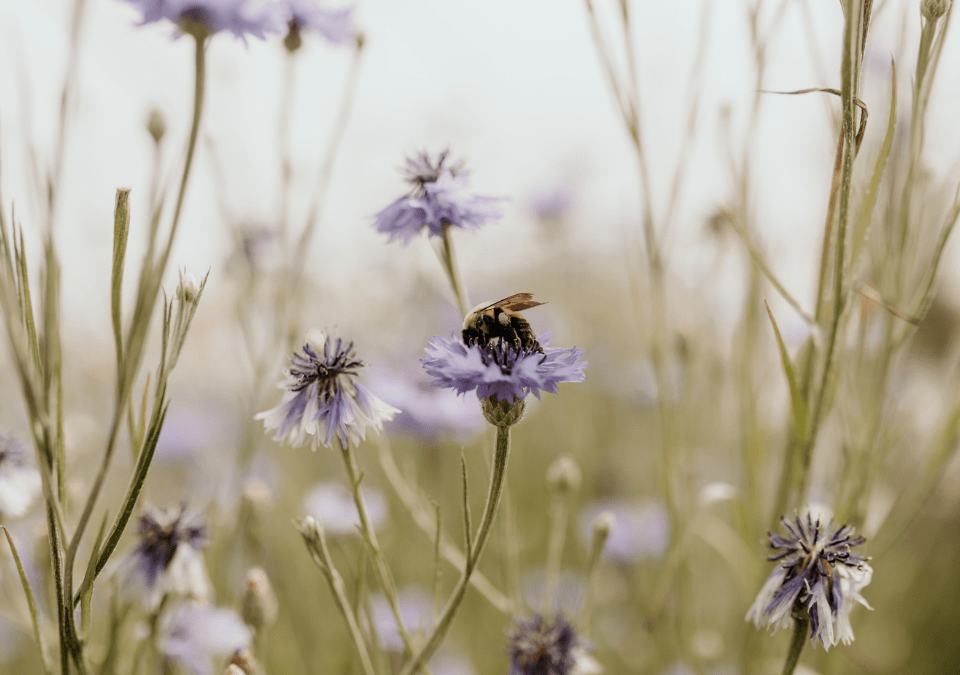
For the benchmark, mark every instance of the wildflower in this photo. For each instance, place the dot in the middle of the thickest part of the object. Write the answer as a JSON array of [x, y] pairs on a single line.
[[323, 397], [819, 575], [336, 25], [438, 199], [19, 483], [539, 647], [499, 370], [202, 17], [195, 635], [334, 506], [167, 561]]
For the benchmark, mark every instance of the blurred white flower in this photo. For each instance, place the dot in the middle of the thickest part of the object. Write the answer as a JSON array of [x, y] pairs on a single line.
[[332, 504], [638, 531], [19, 483]]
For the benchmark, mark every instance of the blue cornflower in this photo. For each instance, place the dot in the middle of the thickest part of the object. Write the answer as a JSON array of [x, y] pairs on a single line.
[[819, 575], [240, 17], [499, 370], [438, 199], [168, 559], [336, 25], [193, 635], [324, 399], [539, 647]]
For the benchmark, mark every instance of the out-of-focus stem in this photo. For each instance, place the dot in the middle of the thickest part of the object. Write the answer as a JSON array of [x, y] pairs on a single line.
[[796, 645], [449, 261]]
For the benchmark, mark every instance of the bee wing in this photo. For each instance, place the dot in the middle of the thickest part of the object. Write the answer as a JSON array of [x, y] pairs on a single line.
[[516, 302]]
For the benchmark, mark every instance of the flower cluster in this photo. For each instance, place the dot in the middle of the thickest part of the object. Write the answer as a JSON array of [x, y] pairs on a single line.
[[168, 559], [499, 370], [819, 575], [323, 398], [438, 199], [250, 17]]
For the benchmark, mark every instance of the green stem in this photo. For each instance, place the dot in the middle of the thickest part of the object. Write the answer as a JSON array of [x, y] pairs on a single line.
[[449, 261], [558, 532], [370, 535], [497, 475], [796, 645]]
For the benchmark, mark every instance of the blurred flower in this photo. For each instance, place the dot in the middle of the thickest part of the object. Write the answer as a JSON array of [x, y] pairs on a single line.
[[499, 370], [323, 397], [240, 17], [538, 647], [636, 530], [19, 483], [333, 505], [167, 561], [428, 413], [416, 612], [818, 575], [336, 25], [258, 604], [195, 635], [551, 203], [438, 199]]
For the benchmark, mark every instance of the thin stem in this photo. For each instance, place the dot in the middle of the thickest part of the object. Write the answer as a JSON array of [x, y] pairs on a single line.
[[796, 645], [495, 491], [449, 261], [283, 140], [558, 531], [370, 535]]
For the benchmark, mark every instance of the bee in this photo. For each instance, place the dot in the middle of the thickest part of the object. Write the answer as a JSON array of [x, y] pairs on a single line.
[[489, 324]]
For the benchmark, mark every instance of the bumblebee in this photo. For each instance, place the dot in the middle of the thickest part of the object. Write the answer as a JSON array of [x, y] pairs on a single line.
[[502, 322]]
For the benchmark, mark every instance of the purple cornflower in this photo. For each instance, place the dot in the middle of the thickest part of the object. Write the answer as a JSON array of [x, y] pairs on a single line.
[[499, 370], [195, 635], [818, 575], [438, 199], [324, 399], [19, 483], [240, 17], [336, 25], [538, 647], [167, 561]]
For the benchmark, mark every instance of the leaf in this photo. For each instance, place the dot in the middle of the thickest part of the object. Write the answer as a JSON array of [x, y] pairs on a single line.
[[31, 603], [799, 404]]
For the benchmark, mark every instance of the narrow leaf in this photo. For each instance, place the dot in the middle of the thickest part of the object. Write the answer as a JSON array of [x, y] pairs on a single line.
[[31, 603], [799, 405], [467, 527], [121, 228]]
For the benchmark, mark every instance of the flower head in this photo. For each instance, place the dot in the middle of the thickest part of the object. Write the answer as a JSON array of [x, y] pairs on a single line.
[[334, 506], [438, 199], [240, 17], [499, 370], [539, 647], [336, 25], [167, 561], [324, 399], [194, 635], [19, 483], [818, 575]]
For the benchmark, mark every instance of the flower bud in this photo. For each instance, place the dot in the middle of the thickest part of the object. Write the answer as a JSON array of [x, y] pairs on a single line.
[[156, 125], [563, 476], [934, 9], [188, 290], [502, 413], [259, 604], [602, 527]]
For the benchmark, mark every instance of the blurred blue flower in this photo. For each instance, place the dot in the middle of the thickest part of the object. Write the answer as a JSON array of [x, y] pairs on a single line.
[[336, 25], [416, 612], [539, 647], [639, 530], [240, 17], [500, 371], [332, 504], [168, 559], [324, 399], [438, 199], [818, 575], [195, 635], [20, 483]]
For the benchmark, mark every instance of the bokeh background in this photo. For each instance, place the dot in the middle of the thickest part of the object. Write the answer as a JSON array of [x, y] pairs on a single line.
[[514, 88]]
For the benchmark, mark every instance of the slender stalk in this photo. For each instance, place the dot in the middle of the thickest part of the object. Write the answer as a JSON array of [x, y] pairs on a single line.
[[558, 531], [796, 645], [449, 262], [495, 491], [370, 535]]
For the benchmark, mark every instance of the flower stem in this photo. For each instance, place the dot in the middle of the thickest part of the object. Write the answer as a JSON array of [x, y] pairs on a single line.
[[796, 645], [558, 532], [495, 491], [370, 535], [449, 261]]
